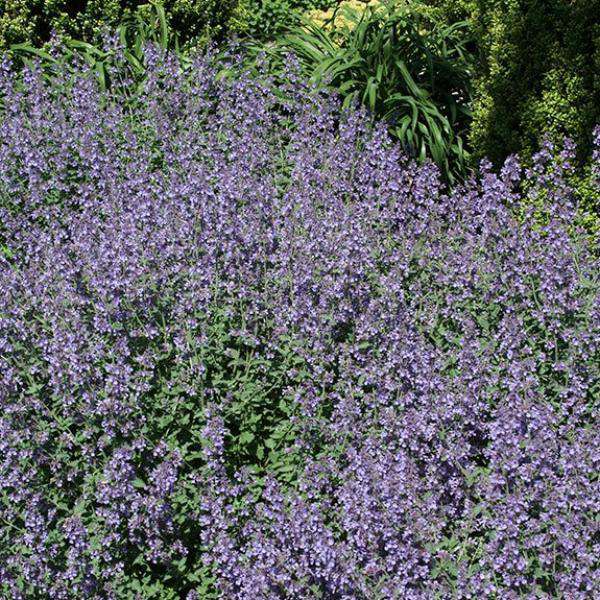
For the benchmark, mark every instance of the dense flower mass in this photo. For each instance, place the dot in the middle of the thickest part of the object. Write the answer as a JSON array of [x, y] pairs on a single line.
[[250, 351]]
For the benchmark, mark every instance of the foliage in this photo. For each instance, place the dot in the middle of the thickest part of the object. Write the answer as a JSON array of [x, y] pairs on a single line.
[[249, 350], [333, 17], [265, 19], [402, 66], [193, 19], [538, 72], [33, 21]]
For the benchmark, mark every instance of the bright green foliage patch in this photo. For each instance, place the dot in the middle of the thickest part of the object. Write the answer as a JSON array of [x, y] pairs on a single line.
[[263, 19]]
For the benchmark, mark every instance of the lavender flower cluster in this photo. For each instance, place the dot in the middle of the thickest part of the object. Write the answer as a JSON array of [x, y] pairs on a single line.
[[248, 350]]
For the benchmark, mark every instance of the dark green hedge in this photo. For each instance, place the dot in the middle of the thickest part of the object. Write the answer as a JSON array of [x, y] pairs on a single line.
[[34, 20]]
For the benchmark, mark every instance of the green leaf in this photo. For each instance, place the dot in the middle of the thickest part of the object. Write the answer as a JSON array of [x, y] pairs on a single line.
[[246, 437]]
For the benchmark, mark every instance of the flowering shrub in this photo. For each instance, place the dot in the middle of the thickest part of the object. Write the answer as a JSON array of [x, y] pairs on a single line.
[[249, 350]]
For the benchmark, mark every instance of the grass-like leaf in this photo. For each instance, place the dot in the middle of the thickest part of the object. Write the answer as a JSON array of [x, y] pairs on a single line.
[[403, 66]]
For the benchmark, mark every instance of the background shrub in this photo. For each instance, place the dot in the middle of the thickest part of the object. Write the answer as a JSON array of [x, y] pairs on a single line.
[[33, 21], [249, 350], [538, 73]]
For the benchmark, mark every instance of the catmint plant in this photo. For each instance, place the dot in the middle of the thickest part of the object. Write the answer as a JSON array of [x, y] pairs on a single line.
[[249, 349]]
